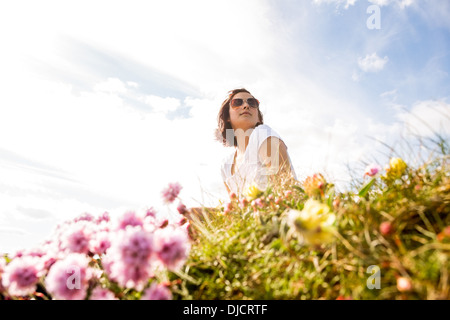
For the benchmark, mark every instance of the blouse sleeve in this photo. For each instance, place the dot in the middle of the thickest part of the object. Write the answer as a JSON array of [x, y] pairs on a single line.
[[265, 132]]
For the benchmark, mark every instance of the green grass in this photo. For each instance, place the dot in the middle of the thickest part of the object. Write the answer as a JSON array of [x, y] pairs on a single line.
[[256, 254]]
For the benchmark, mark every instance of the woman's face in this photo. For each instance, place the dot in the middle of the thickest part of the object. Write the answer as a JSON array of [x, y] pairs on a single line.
[[243, 117]]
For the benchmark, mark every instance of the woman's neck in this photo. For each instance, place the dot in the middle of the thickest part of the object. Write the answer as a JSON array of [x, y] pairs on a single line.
[[242, 138]]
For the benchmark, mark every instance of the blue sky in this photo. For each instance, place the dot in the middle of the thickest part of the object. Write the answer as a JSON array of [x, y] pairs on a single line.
[[103, 103]]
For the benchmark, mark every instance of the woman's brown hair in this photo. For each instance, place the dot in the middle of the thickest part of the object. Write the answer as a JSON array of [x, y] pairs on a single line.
[[224, 117]]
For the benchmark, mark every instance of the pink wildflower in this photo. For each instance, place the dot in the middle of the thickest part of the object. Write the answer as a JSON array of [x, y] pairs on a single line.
[[404, 284], [68, 278], [107, 263], [182, 221], [182, 208], [386, 228], [150, 224], [259, 203], [315, 185], [21, 275], [100, 243], [446, 231], [100, 293], [157, 292], [33, 252], [129, 218], [52, 254], [84, 217], [243, 203], [76, 238], [171, 192], [133, 246], [228, 207], [172, 246], [372, 170], [103, 218], [150, 212], [2, 268], [130, 276], [128, 260]]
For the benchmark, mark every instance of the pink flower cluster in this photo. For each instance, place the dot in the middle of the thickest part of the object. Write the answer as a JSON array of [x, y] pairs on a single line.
[[372, 170], [86, 257], [21, 275], [68, 278], [171, 192]]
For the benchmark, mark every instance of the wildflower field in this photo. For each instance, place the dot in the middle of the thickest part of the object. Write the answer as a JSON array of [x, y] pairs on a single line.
[[387, 238]]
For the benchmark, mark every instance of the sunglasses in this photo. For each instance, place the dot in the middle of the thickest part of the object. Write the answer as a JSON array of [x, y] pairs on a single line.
[[252, 102]]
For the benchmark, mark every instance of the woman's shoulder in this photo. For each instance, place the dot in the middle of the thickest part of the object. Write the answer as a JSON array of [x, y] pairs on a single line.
[[263, 126], [263, 131], [266, 129]]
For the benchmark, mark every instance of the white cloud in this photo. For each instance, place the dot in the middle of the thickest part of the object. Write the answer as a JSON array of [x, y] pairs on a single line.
[[346, 3], [427, 118], [160, 104], [389, 93], [390, 96], [380, 2], [372, 63], [111, 85], [401, 3], [119, 156]]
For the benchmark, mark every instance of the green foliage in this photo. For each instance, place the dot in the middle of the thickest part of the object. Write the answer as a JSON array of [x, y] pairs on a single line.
[[399, 223]]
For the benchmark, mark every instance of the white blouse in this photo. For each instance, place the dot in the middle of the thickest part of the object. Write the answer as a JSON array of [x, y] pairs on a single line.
[[251, 170]]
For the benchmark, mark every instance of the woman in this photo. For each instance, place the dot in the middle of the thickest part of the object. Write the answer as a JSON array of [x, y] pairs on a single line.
[[259, 156]]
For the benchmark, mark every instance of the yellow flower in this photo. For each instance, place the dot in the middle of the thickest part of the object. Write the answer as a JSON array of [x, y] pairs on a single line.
[[314, 222], [317, 238], [252, 192], [396, 167]]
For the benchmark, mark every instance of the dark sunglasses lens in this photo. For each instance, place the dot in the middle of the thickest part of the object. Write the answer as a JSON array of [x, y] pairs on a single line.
[[252, 102], [237, 102]]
